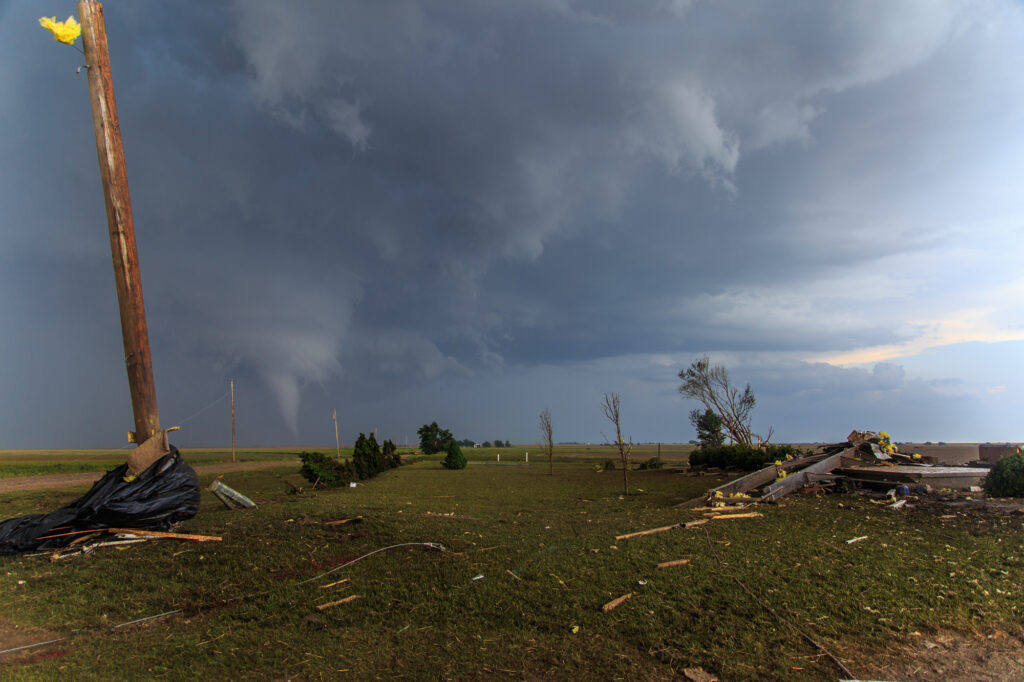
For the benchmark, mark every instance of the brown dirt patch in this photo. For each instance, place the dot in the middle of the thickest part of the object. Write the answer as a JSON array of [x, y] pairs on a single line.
[[945, 655], [71, 480], [13, 635]]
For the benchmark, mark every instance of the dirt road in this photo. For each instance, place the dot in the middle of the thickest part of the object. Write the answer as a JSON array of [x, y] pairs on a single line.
[[70, 480]]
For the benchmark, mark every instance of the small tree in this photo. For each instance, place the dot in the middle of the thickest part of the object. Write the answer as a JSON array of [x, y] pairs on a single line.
[[548, 442], [389, 452], [610, 409], [433, 438], [711, 386], [709, 428], [1006, 478], [454, 459], [366, 457]]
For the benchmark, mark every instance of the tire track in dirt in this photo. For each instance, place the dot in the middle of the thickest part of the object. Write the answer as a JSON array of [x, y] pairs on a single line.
[[49, 481]]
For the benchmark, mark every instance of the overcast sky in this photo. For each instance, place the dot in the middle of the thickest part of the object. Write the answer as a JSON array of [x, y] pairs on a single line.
[[470, 211]]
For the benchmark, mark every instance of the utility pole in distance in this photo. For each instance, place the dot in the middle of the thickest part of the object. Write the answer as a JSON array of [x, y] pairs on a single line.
[[114, 177], [232, 420], [337, 442]]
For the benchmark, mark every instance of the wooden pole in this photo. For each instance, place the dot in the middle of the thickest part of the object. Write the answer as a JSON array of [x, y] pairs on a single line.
[[337, 442], [232, 420], [114, 177]]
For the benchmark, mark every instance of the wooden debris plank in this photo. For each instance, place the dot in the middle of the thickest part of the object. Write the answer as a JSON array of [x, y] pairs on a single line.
[[615, 602], [161, 534], [677, 562], [734, 507], [351, 597], [698, 522], [647, 532], [357, 519], [797, 480], [738, 516], [336, 582]]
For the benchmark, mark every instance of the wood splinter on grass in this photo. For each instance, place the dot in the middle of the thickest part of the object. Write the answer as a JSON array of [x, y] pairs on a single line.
[[647, 532], [677, 562], [615, 602], [355, 519], [336, 582], [351, 597], [738, 516]]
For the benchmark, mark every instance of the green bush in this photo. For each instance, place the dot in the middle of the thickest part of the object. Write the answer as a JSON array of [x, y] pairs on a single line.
[[742, 457], [331, 472], [390, 454], [454, 459], [1006, 478], [652, 463], [609, 465], [367, 457]]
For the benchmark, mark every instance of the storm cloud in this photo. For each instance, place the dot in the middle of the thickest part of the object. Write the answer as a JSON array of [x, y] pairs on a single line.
[[471, 211]]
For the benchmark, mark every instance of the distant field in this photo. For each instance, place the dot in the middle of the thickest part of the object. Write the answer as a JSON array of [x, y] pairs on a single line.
[[42, 462]]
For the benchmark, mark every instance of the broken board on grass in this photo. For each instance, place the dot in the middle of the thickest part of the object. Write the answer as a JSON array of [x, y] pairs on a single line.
[[754, 480], [796, 480]]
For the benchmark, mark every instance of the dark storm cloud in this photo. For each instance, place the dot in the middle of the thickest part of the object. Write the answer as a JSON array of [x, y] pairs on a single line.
[[359, 199]]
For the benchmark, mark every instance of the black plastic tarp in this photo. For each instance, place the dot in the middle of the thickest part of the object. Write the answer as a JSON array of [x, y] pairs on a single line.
[[165, 493]]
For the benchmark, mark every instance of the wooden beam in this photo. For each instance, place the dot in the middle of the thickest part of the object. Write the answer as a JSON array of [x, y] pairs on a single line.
[[797, 480], [114, 177]]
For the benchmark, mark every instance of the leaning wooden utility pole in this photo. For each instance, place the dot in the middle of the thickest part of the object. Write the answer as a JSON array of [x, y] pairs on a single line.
[[151, 438]]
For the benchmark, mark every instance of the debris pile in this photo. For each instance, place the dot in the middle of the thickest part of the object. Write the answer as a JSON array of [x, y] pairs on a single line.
[[864, 459], [166, 493]]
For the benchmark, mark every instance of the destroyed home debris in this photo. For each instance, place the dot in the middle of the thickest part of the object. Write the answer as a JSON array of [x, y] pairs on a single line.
[[231, 498], [615, 602], [164, 494], [865, 459]]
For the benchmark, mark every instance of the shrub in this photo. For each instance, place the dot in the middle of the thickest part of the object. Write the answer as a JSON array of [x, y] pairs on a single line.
[[652, 463], [1006, 478], [609, 465], [390, 454], [454, 459], [742, 457], [331, 472], [367, 458]]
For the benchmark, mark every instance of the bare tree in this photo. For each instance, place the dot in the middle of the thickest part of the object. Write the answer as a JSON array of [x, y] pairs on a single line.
[[610, 409], [711, 386], [548, 442]]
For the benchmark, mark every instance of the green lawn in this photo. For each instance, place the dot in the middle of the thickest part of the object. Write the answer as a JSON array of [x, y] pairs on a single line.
[[546, 550]]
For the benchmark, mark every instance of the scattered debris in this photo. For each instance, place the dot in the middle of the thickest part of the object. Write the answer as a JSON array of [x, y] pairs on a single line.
[[853, 540], [336, 582], [864, 459], [687, 524], [478, 577], [648, 532], [677, 562], [231, 498], [615, 602], [698, 675], [162, 495], [346, 600], [737, 516], [356, 519]]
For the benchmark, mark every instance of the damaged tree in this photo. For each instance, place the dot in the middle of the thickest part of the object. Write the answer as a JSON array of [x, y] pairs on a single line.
[[610, 409], [710, 385], [548, 439]]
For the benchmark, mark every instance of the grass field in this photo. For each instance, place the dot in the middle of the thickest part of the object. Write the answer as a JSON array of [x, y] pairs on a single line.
[[15, 463], [528, 561]]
